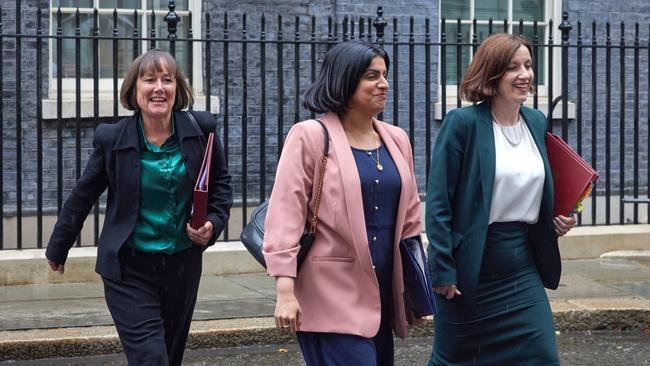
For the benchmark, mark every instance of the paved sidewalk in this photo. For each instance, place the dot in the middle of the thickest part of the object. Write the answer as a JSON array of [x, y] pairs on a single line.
[[72, 319]]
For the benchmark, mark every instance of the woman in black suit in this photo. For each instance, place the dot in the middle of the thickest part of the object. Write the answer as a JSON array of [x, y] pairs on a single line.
[[148, 256]]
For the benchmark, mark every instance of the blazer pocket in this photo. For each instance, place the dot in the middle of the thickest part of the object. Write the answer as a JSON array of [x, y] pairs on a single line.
[[332, 259]]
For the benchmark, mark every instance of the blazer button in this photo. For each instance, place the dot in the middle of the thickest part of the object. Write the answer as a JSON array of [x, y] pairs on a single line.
[[374, 238]]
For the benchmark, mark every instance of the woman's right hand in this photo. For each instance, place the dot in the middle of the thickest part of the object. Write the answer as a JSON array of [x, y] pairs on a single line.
[[448, 291], [287, 308], [56, 267]]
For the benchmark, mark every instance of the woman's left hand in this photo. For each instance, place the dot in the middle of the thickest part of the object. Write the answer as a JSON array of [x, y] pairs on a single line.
[[563, 224], [202, 235]]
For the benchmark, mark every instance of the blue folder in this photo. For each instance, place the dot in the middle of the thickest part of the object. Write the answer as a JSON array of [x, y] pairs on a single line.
[[418, 293]]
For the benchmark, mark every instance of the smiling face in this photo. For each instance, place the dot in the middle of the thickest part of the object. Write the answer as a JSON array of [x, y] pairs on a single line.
[[370, 95], [156, 93], [516, 82]]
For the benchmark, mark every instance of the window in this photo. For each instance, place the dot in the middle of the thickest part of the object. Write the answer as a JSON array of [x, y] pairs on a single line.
[[482, 11], [512, 10], [132, 16]]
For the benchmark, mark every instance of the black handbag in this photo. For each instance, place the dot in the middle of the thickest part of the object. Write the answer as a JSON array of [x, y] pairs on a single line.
[[253, 234]]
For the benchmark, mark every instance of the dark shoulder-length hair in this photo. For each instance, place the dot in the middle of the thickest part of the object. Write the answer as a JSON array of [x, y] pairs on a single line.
[[150, 61], [339, 76], [490, 62]]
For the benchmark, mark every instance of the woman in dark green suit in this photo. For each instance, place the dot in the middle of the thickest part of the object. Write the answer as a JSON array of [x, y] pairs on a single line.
[[492, 237]]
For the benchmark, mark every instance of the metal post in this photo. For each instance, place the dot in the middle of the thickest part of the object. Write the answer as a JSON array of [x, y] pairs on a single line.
[[1, 134], [551, 105], [172, 19], [565, 28], [39, 128], [380, 23], [621, 128], [19, 131], [152, 33], [96, 108]]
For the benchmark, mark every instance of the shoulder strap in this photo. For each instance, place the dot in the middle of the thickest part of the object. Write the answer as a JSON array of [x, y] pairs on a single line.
[[193, 119], [326, 138], [191, 116], [319, 190]]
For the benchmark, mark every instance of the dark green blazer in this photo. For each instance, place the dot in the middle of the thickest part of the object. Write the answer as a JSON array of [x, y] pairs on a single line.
[[459, 195]]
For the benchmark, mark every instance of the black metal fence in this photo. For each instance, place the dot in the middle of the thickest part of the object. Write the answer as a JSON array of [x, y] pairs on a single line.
[[258, 71]]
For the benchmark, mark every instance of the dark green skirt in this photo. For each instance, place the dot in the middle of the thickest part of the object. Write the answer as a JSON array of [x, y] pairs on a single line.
[[510, 321]]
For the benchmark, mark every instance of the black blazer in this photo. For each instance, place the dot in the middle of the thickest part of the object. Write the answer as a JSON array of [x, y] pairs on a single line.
[[115, 164]]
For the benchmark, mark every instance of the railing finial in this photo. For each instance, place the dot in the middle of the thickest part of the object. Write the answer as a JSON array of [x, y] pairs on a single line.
[[172, 19], [565, 27], [380, 23]]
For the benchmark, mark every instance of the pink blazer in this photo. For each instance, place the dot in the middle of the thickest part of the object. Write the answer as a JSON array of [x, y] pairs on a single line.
[[337, 288]]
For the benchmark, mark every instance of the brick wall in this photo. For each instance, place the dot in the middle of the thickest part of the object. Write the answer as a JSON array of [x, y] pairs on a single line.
[[355, 10], [26, 81], [289, 9], [606, 11], [579, 10]]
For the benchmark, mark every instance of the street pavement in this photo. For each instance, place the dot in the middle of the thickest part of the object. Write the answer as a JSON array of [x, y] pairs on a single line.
[[71, 319], [586, 348]]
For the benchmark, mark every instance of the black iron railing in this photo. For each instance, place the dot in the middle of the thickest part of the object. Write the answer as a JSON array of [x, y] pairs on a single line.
[[258, 67]]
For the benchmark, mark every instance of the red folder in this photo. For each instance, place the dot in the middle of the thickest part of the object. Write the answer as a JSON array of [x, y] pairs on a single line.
[[200, 204], [572, 176]]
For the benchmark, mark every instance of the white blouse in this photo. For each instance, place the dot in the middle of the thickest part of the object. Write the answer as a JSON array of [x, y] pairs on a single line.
[[519, 175]]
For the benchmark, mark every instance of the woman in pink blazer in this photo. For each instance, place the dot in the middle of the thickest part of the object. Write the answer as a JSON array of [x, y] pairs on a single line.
[[348, 296]]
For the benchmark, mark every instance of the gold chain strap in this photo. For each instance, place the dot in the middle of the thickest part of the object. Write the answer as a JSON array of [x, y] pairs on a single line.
[[314, 218]]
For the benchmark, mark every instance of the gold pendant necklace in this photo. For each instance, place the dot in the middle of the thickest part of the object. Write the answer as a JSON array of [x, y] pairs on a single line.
[[379, 166], [369, 152]]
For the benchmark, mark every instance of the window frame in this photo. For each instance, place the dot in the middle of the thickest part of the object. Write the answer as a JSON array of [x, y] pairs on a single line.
[[106, 84], [553, 10]]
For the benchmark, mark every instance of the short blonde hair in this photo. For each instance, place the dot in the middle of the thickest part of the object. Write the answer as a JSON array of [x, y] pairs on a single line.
[[490, 62], [155, 60]]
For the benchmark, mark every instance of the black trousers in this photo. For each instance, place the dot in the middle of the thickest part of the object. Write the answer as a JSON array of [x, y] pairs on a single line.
[[153, 303]]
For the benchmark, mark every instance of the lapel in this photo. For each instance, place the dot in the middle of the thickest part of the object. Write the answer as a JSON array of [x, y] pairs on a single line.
[[127, 157], [538, 136], [129, 137], [404, 172], [192, 146], [351, 185], [127, 148], [486, 152]]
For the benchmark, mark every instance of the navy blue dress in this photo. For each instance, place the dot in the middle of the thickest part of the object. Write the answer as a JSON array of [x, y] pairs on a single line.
[[381, 192]]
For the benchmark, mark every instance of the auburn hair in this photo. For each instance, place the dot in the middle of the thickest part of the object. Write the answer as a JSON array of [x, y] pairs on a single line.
[[490, 62]]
